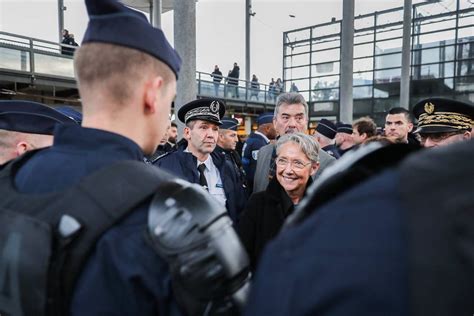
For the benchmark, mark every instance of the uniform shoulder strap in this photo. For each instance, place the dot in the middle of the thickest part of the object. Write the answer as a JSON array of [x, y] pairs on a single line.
[[97, 203], [437, 191]]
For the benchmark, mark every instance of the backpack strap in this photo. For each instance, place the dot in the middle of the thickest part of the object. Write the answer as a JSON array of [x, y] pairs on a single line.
[[437, 192], [87, 210], [80, 215]]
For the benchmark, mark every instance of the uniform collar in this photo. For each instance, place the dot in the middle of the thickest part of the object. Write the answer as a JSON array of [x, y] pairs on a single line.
[[74, 137], [263, 135], [221, 150], [207, 162]]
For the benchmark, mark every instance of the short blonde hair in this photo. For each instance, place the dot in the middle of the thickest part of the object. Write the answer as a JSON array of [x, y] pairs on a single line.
[[119, 68]]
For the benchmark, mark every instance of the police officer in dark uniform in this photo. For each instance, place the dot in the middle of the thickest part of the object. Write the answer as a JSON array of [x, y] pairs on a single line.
[[203, 118], [26, 125], [344, 141], [256, 140], [70, 112], [226, 145], [127, 83], [397, 243], [325, 133], [443, 121]]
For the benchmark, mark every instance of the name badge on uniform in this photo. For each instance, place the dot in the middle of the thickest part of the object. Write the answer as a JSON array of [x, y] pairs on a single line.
[[219, 185]]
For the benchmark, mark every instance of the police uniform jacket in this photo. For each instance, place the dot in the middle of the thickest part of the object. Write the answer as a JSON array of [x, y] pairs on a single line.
[[261, 179], [184, 165], [332, 150], [263, 217], [250, 154], [235, 161], [123, 275], [343, 151]]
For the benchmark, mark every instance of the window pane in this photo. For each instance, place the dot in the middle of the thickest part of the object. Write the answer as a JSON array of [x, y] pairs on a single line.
[[298, 60], [385, 76], [466, 68], [430, 55], [363, 50], [465, 84], [331, 68], [362, 92], [325, 56], [466, 50], [324, 107], [388, 61], [363, 64], [390, 46], [325, 95], [362, 78], [363, 107], [325, 82]]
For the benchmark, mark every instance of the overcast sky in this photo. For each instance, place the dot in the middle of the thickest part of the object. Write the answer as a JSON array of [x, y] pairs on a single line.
[[220, 26]]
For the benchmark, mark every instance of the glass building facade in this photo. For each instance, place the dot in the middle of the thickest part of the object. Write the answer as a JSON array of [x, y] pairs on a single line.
[[442, 59]]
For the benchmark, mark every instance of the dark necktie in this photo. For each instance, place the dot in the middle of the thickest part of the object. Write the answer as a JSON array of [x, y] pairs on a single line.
[[202, 178]]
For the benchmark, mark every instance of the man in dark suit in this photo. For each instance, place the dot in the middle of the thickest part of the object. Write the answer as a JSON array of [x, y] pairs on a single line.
[[256, 140]]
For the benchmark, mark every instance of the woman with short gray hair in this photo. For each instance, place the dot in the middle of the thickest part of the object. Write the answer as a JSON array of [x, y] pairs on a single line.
[[297, 160], [307, 144]]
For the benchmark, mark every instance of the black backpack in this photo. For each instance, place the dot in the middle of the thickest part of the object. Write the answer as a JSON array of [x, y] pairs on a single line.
[[45, 239]]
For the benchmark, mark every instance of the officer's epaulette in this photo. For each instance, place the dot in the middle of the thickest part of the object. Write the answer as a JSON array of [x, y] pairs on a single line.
[[160, 156]]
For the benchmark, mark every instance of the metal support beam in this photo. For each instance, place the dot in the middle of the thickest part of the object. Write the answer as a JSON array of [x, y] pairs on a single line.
[[248, 12], [60, 19], [155, 13], [185, 44], [406, 54], [346, 106]]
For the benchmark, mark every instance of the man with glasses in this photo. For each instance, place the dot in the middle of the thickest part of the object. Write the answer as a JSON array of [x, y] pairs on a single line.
[[291, 116], [443, 121]]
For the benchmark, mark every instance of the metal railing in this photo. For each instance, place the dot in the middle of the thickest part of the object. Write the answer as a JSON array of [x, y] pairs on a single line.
[[235, 89], [37, 58]]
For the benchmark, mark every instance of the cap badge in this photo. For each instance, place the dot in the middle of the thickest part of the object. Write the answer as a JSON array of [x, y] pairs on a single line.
[[214, 107], [429, 107]]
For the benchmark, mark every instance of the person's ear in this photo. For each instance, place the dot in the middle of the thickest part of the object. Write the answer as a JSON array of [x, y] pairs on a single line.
[[467, 135], [153, 89], [22, 147], [314, 167], [186, 133]]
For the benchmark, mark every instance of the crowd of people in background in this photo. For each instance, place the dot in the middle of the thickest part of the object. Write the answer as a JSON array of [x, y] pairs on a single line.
[[230, 85], [348, 219]]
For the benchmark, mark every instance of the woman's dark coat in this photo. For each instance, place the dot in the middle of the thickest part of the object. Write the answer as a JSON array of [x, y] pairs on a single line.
[[263, 217]]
